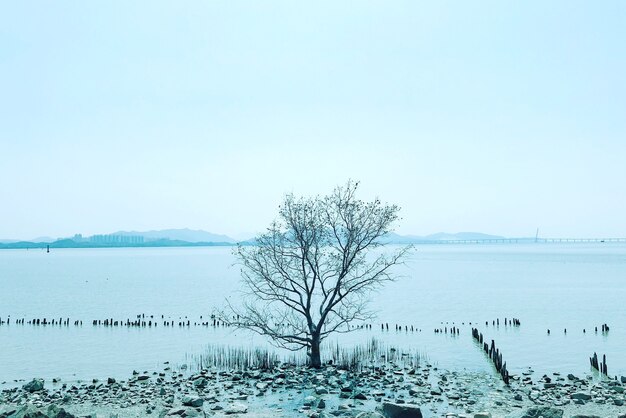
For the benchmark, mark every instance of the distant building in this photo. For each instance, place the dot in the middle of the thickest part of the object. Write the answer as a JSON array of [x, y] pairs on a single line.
[[116, 239], [78, 238]]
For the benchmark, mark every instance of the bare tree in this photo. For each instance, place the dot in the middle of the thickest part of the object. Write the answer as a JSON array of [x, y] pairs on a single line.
[[312, 272]]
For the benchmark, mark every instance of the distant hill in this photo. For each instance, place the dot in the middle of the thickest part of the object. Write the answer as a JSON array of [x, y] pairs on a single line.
[[187, 235], [192, 238], [70, 243], [44, 239]]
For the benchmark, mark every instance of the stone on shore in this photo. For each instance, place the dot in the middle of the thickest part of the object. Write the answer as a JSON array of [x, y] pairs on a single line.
[[236, 408], [581, 396], [26, 411], [57, 412], [200, 382], [370, 415], [393, 410], [34, 385], [193, 401], [543, 412]]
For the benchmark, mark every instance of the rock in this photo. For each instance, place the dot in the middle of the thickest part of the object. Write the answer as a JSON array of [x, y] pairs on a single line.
[[482, 415], [321, 390], [370, 415], [57, 412], [34, 385], [543, 411], [200, 383], [143, 377], [581, 396], [191, 412], [321, 404], [193, 401], [360, 396], [236, 408], [309, 400], [110, 381], [27, 411], [585, 416], [392, 410]]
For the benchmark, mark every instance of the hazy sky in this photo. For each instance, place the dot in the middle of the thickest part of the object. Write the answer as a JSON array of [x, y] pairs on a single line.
[[488, 116]]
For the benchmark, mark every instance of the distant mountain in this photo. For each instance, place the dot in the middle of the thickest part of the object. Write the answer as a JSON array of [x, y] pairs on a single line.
[[44, 239], [187, 235], [70, 243]]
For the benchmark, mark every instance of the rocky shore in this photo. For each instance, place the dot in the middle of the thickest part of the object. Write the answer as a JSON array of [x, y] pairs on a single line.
[[390, 391]]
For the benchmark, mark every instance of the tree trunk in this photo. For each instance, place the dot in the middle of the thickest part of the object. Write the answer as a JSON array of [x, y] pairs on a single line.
[[315, 360]]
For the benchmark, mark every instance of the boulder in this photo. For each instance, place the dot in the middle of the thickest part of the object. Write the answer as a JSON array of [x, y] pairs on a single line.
[[57, 412], [26, 411], [321, 390], [413, 391], [392, 410], [581, 396], [482, 415], [193, 401], [33, 386], [543, 411], [236, 408], [200, 383]]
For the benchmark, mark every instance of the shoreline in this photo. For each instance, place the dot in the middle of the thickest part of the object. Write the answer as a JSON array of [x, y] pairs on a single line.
[[296, 391]]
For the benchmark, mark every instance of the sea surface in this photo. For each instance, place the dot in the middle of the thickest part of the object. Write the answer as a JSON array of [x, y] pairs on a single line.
[[546, 286]]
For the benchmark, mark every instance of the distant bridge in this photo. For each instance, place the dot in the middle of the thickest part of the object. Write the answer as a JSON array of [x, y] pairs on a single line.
[[523, 241]]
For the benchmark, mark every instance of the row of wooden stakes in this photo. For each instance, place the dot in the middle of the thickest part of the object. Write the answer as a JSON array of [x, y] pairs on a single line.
[[44, 321], [513, 322], [601, 367], [494, 354], [444, 330]]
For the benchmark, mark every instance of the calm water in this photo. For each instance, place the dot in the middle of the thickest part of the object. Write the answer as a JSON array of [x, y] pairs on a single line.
[[574, 286]]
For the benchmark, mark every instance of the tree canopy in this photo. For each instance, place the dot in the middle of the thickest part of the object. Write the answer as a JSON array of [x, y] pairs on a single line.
[[311, 273]]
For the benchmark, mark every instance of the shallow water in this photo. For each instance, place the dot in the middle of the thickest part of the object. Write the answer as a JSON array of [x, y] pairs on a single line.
[[546, 286]]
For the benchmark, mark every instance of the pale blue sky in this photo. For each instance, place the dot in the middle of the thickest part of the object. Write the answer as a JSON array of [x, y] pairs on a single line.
[[487, 116]]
